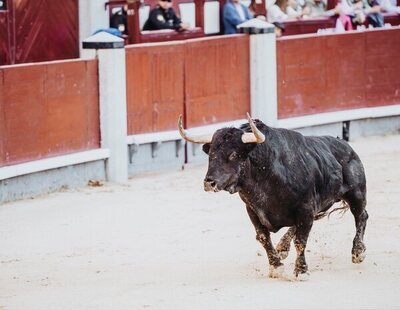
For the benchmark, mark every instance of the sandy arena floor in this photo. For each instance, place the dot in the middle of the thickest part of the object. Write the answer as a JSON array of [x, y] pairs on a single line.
[[160, 242]]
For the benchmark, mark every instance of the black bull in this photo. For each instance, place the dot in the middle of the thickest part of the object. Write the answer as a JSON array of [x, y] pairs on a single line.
[[286, 180]]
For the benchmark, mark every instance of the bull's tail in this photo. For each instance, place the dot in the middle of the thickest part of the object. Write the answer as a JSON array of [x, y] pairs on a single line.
[[343, 209]]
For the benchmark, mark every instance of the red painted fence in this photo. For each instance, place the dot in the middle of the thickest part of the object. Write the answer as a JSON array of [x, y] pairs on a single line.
[[328, 73], [51, 109], [207, 79], [40, 30], [217, 80], [155, 86], [48, 109]]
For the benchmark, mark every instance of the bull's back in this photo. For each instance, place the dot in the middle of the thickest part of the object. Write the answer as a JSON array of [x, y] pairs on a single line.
[[352, 170]]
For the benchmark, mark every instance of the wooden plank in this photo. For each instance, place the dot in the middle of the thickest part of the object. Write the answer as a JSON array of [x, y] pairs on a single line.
[[154, 86], [217, 80], [33, 31], [326, 73], [53, 111]]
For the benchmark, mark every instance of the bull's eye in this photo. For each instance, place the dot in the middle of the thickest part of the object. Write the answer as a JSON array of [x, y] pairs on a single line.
[[233, 156]]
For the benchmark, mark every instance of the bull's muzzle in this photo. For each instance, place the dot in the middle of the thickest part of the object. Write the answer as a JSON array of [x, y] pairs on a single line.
[[210, 185]]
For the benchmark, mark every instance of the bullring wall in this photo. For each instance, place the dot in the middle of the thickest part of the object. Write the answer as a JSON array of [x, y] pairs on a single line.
[[50, 129]]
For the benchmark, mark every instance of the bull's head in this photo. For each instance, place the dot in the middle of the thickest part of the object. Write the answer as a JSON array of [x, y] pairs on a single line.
[[228, 150]]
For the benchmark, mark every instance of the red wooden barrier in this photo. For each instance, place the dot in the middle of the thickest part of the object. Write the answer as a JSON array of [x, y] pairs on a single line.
[[337, 72], [155, 86], [208, 80], [217, 81], [310, 25], [48, 109], [33, 31]]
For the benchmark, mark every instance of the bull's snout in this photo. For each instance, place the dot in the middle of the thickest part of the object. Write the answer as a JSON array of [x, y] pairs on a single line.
[[210, 185]]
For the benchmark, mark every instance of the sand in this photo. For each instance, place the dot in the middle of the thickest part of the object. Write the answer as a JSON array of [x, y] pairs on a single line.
[[160, 242]]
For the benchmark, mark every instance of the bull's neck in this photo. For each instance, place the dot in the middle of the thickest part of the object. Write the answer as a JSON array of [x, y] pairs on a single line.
[[256, 169]]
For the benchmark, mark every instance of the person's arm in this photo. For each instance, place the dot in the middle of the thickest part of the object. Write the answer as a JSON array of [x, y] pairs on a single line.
[[346, 8], [275, 14], [387, 6], [178, 25], [372, 7], [247, 12], [159, 24], [231, 15]]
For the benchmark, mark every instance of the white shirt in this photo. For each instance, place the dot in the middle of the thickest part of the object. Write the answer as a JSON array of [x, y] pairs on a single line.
[[275, 14], [240, 11], [389, 6]]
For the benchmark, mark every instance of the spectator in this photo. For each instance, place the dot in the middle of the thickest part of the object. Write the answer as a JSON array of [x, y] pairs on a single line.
[[278, 12], [234, 13], [317, 8], [360, 10], [294, 9], [354, 11], [257, 9], [373, 11], [389, 6], [163, 16], [119, 20]]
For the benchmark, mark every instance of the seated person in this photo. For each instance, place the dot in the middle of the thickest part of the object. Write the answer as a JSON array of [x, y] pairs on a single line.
[[317, 8], [119, 20], [279, 12], [359, 11], [234, 13], [373, 11], [389, 6], [163, 16], [293, 9]]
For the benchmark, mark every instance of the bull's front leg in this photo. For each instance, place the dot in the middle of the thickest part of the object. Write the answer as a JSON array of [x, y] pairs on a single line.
[[263, 236], [303, 227]]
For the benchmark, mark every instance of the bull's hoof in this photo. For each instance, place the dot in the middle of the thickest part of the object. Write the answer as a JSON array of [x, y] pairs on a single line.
[[302, 276], [300, 272], [283, 254], [276, 272], [358, 253], [358, 258]]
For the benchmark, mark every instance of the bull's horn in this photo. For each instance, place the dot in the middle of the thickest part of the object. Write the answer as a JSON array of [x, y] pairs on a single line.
[[194, 139], [255, 136]]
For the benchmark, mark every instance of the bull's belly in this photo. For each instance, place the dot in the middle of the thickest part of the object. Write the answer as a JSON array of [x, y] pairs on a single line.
[[324, 203], [273, 222]]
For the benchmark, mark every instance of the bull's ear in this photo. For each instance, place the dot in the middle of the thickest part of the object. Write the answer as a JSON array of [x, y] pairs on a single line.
[[206, 148]]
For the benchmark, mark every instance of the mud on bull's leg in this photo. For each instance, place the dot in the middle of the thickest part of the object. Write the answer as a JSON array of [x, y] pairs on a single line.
[[357, 202], [276, 268], [358, 250], [283, 246], [263, 236], [303, 228]]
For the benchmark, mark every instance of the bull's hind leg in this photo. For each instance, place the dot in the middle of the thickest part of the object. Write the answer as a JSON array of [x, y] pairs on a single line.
[[283, 246], [303, 227], [276, 269], [357, 202]]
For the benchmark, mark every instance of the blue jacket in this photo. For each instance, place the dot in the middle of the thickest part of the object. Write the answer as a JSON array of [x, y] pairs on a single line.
[[231, 17]]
